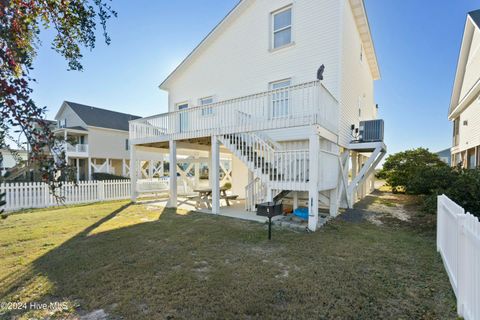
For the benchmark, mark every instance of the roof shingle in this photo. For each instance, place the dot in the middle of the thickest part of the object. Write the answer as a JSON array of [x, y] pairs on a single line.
[[476, 17], [102, 118]]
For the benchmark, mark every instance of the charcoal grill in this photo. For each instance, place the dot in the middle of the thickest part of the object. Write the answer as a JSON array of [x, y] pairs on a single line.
[[269, 210]]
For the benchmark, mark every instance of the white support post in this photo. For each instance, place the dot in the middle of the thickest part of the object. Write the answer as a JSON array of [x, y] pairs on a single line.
[[334, 199], [65, 137], [172, 203], [77, 164], [269, 194], [124, 168], [314, 150], [250, 194], [295, 200], [210, 168], [215, 174], [108, 165], [89, 168], [150, 169], [197, 171], [133, 173]]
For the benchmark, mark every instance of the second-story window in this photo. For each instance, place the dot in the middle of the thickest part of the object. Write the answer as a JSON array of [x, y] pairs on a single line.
[[456, 132], [282, 28], [127, 145], [204, 102]]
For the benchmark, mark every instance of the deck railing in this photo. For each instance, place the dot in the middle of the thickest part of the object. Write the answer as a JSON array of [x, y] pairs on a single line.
[[304, 104], [78, 148]]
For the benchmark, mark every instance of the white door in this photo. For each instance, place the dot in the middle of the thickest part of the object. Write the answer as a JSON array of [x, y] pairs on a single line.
[[280, 98], [183, 117]]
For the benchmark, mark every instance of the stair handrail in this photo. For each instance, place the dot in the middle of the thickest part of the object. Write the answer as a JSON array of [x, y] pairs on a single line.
[[268, 139]]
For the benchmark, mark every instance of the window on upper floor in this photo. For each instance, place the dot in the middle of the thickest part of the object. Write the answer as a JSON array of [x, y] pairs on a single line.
[[127, 145], [456, 132], [282, 28], [205, 102], [62, 123]]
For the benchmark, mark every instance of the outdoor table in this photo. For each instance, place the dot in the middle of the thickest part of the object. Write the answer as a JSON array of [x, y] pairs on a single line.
[[205, 194]]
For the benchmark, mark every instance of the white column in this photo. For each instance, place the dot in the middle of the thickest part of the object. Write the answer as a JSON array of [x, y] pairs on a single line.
[[197, 171], [150, 169], [124, 171], [108, 165], [251, 177], [133, 173], [172, 203], [89, 168], [295, 200], [210, 168], [334, 199], [65, 136], [314, 150], [77, 164], [215, 174]]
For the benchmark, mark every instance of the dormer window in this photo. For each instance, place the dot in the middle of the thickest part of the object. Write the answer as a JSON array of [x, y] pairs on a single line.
[[282, 28]]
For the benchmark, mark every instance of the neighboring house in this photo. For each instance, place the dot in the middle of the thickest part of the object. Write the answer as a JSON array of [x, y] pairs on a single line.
[[250, 89], [445, 156], [465, 105], [10, 161], [101, 139]]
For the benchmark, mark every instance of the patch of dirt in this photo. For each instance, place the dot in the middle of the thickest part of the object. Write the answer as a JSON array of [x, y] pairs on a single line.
[[201, 270], [380, 207]]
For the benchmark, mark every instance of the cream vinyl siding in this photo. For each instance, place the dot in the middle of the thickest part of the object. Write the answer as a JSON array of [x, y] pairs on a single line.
[[73, 120], [470, 134], [239, 60], [357, 80], [105, 143], [472, 70]]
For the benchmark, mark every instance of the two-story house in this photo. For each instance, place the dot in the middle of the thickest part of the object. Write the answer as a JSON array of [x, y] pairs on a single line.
[[464, 109], [100, 141], [287, 88]]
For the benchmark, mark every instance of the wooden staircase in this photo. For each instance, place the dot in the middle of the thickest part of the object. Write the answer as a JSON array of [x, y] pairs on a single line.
[[275, 168]]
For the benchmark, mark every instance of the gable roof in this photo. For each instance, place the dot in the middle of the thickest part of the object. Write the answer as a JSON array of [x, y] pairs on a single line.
[[475, 15], [361, 19], [101, 118], [458, 103]]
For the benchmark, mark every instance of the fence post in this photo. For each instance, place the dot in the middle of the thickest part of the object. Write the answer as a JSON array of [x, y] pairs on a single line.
[[461, 263], [439, 221], [100, 190], [46, 195]]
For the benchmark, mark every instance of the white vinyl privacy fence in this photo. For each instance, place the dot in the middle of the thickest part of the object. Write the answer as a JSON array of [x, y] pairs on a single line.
[[37, 194], [458, 241]]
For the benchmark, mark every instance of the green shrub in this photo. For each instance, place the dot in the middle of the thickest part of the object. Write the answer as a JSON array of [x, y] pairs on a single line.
[[106, 176], [465, 190], [415, 171], [420, 172]]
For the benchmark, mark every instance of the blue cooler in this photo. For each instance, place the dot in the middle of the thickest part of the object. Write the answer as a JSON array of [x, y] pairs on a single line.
[[302, 213]]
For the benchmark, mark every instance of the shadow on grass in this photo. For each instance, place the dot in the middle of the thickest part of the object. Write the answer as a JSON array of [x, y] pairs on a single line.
[[204, 266]]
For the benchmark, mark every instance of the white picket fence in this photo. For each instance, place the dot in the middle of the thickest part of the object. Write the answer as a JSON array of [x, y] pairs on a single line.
[[458, 241], [37, 194]]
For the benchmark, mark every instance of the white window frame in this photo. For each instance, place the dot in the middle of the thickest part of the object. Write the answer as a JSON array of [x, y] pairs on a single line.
[[276, 100], [273, 31], [206, 111]]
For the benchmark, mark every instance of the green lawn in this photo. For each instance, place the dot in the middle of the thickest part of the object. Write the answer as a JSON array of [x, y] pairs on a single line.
[[136, 262]]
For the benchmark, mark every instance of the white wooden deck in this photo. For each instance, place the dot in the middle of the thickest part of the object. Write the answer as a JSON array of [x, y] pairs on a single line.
[[300, 105]]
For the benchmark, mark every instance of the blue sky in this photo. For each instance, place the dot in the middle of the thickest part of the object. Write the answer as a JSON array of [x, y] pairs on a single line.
[[417, 43]]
